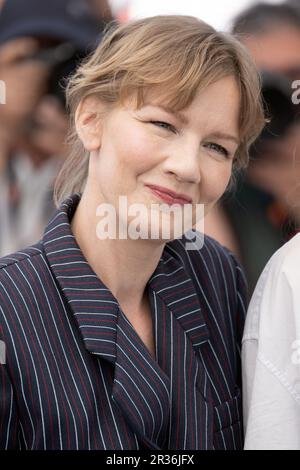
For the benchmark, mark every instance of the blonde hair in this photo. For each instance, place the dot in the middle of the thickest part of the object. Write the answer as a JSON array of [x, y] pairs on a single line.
[[178, 55]]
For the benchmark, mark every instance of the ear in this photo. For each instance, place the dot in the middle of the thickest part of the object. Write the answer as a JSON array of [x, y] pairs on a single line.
[[88, 123]]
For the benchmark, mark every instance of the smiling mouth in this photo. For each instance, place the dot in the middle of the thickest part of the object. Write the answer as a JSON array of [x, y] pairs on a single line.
[[167, 197]]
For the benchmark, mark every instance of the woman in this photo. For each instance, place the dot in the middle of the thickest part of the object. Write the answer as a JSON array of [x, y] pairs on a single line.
[[125, 342], [271, 355]]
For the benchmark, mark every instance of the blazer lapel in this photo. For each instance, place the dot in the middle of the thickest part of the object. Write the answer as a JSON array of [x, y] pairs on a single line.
[[141, 389], [94, 308], [180, 332]]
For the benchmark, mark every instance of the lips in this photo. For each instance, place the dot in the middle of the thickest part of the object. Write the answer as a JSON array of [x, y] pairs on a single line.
[[169, 196]]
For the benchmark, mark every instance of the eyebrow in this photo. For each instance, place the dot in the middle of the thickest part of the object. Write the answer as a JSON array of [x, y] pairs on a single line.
[[224, 136], [180, 116], [177, 114], [185, 120]]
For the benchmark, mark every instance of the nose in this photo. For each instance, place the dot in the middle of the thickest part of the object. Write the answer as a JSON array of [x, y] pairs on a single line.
[[183, 161]]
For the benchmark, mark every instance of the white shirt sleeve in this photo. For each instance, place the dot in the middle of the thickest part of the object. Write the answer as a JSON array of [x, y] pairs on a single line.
[[271, 355]]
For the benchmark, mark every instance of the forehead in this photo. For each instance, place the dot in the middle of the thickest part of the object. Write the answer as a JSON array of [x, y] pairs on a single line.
[[218, 106], [218, 99], [177, 97]]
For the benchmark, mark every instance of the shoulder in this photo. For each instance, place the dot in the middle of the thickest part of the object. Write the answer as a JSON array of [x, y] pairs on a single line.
[[15, 268], [273, 306], [281, 270], [286, 261], [23, 275], [17, 259]]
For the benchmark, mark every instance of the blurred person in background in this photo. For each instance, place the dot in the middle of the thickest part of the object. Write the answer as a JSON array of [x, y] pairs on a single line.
[[40, 44], [264, 210], [271, 34], [271, 339], [271, 355]]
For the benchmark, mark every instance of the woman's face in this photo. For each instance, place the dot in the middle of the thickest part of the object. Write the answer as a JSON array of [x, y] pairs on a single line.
[[190, 153]]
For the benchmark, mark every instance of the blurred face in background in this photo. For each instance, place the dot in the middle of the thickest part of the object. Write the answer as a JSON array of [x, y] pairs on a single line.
[[277, 50], [30, 114], [277, 170], [25, 80]]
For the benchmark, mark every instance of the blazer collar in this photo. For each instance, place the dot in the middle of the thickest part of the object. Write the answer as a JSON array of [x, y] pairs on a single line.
[[93, 305]]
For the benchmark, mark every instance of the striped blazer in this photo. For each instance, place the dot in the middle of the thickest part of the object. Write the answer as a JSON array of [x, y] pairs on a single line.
[[74, 374]]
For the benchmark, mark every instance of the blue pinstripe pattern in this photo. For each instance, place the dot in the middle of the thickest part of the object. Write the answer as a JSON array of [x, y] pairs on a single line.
[[77, 375]]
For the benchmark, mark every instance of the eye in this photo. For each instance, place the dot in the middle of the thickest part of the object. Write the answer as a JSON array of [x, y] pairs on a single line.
[[164, 125], [219, 149]]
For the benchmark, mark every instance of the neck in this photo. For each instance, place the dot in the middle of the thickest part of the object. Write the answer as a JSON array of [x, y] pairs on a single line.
[[124, 266]]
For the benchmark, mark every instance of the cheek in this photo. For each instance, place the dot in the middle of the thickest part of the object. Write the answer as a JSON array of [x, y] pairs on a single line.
[[124, 155], [139, 154], [217, 181]]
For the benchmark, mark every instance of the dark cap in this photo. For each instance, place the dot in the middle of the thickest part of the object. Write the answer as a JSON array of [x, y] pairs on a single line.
[[65, 20]]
